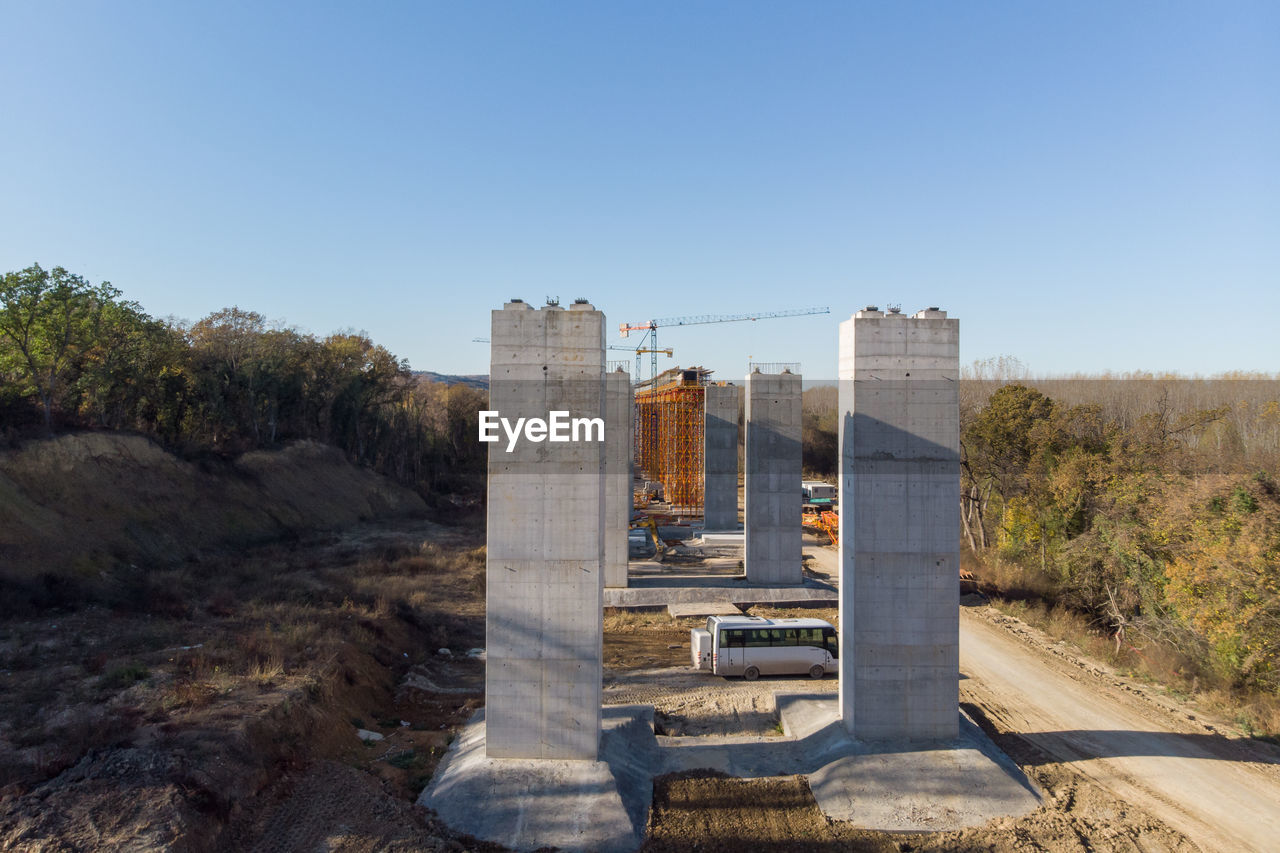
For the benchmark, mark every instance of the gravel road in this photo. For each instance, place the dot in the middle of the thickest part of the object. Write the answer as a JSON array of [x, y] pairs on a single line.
[[1222, 793]]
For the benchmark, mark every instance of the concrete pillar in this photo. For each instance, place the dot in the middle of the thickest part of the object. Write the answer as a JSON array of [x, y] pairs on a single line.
[[720, 459], [545, 539], [772, 481], [899, 525], [617, 488]]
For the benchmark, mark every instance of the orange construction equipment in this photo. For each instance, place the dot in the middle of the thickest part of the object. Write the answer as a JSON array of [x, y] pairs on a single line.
[[822, 521], [670, 416]]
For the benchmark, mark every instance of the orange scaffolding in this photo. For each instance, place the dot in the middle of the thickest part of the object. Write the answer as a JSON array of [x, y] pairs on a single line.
[[670, 415]]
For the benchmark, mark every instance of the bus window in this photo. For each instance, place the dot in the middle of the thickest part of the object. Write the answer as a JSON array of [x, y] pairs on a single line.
[[758, 637], [832, 641], [783, 637], [811, 637]]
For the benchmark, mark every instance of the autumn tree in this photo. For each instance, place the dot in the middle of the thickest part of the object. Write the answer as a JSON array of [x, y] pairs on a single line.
[[45, 320]]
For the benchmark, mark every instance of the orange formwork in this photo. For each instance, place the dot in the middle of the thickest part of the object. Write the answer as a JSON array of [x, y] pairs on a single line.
[[670, 417]]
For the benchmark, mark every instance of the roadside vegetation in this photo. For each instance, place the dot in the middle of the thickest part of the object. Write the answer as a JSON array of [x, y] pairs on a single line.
[[77, 356], [1137, 516]]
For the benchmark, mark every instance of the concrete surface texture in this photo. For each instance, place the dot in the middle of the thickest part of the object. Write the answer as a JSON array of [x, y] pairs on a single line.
[[720, 458], [604, 805], [679, 610], [571, 805], [899, 525], [713, 537], [545, 539], [617, 471], [900, 787], [663, 591], [772, 479]]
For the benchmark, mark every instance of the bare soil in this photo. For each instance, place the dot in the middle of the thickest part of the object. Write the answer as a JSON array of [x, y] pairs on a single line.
[[1084, 809], [228, 720], [223, 721]]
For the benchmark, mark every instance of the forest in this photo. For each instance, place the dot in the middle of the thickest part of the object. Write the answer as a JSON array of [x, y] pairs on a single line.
[[75, 356], [1147, 504]]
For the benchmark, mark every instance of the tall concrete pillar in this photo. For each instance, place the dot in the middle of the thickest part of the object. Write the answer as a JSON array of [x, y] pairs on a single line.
[[899, 525], [617, 488], [545, 538], [720, 458], [772, 479]]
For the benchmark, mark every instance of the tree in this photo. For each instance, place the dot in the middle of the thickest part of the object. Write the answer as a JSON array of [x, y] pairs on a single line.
[[46, 317], [996, 452], [1224, 578]]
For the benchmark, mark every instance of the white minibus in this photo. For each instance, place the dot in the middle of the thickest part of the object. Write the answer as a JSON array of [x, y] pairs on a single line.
[[751, 646]]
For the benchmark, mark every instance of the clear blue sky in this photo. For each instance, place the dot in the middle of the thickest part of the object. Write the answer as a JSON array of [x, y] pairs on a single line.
[[1088, 186]]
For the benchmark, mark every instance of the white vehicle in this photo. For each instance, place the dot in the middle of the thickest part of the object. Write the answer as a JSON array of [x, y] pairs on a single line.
[[816, 490], [751, 646]]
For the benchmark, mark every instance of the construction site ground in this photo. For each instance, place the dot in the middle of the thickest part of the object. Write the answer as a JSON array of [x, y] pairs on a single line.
[[277, 762], [695, 571]]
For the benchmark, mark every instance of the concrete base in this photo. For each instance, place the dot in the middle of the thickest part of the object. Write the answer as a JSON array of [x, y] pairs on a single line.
[[527, 804], [905, 787], [604, 805], [663, 591], [678, 610], [723, 537]]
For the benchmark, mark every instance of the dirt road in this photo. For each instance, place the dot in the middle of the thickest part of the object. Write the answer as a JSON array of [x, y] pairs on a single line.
[[1221, 793]]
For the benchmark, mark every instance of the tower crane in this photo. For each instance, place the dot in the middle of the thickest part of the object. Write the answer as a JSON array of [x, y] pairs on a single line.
[[667, 352], [650, 328], [654, 352]]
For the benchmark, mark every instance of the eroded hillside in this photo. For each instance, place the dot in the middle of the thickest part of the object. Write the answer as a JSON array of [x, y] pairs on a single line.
[[82, 513]]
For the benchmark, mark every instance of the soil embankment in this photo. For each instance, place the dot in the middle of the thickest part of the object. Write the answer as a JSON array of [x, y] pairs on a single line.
[[76, 509], [219, 655]]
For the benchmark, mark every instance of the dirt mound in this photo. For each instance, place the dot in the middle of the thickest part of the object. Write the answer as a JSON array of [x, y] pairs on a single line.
[[77, 506]]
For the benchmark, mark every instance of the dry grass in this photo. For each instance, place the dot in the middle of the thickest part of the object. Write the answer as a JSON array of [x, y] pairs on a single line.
[[618, 621], [288, 619], [1254, 714], [1013, 581]]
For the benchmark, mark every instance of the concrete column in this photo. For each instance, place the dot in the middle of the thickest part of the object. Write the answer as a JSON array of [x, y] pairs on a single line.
[[772, 481], [899, 525], [545, 539], [720, 459], [617, 488]]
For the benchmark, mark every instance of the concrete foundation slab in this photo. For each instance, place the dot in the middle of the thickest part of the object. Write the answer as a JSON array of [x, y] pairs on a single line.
[[604, 805], [907, 787], [526, 804], [660, 591], [702, 608], [723, 537]]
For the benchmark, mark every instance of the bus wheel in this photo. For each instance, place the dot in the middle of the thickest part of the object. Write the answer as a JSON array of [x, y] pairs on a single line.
[[751, 673], [816, 671]]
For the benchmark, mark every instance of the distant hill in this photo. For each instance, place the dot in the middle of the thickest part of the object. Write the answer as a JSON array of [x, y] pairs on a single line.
[[475, 380]]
